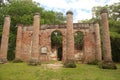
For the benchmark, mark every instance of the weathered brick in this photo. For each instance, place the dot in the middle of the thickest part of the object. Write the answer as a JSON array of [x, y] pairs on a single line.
[[5, 38]]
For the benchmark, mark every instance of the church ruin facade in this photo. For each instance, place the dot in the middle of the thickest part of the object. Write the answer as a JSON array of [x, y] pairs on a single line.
[[34, 42]]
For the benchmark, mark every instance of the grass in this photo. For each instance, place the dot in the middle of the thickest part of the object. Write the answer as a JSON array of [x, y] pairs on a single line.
[[21, 71]]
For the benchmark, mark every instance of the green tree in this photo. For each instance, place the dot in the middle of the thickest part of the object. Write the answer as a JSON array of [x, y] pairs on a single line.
[[114, 11], [78, 36], [49, 17], [59, 18], [115, 39], [56, 39]]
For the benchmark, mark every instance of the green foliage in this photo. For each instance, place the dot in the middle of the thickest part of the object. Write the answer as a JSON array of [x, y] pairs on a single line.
[[1, 21], [114, 11], [0, 34], [56, 39], [114, 28], [78, 36], [70, 64], [48, 17], [51, 17], [115, 44], [11, 45], [59, 18], [93, 62], [96, 10], [107, 65], [22, 11], [115, 39]]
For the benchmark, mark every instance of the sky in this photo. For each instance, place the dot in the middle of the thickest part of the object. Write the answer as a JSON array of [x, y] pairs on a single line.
[[82, 9]]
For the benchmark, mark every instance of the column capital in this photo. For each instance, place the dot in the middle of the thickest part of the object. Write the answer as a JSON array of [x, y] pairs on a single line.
[[69, 12], [37, 13], [19, 25], [7, 16], [104, 11], [95, 22]]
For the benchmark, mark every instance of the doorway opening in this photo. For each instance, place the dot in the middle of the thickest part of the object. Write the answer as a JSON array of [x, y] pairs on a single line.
[[59, 54], [79, 45], [56, 44]]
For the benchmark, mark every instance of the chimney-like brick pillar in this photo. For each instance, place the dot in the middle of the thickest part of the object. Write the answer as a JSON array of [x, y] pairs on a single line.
[[5, 39], [70, 37], [106, 36], [98, 42], [64, 48], [35, 38], [19, 42]]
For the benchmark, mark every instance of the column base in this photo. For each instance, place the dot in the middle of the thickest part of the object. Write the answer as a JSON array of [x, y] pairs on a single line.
[[69, 64], [3, 60]]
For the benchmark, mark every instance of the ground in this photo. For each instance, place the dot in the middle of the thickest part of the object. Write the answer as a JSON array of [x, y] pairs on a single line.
[[22, 71]]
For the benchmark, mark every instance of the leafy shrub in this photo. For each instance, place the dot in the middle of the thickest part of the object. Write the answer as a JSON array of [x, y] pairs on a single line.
[[93, 62], [17, 61], [3, 60], [107, 65], [70, 64], [33, 62]]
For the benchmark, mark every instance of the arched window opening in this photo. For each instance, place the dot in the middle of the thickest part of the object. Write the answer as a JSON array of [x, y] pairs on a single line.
[[56, 43], [79, 40]]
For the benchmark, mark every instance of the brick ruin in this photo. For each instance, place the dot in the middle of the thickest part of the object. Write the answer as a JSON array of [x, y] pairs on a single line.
[[34, 42]]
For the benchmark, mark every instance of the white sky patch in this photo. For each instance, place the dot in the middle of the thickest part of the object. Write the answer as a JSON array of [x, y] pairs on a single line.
[[82, 9]]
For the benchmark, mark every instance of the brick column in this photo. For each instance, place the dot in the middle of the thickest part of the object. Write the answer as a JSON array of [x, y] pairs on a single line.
[[64, 48], [70, 37], [106, 36], [5, 38], [98, 42], [19, 42], [35, 38]]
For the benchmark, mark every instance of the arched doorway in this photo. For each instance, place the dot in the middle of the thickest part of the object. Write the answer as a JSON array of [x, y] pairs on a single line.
[[78, 45], [56, 44]]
